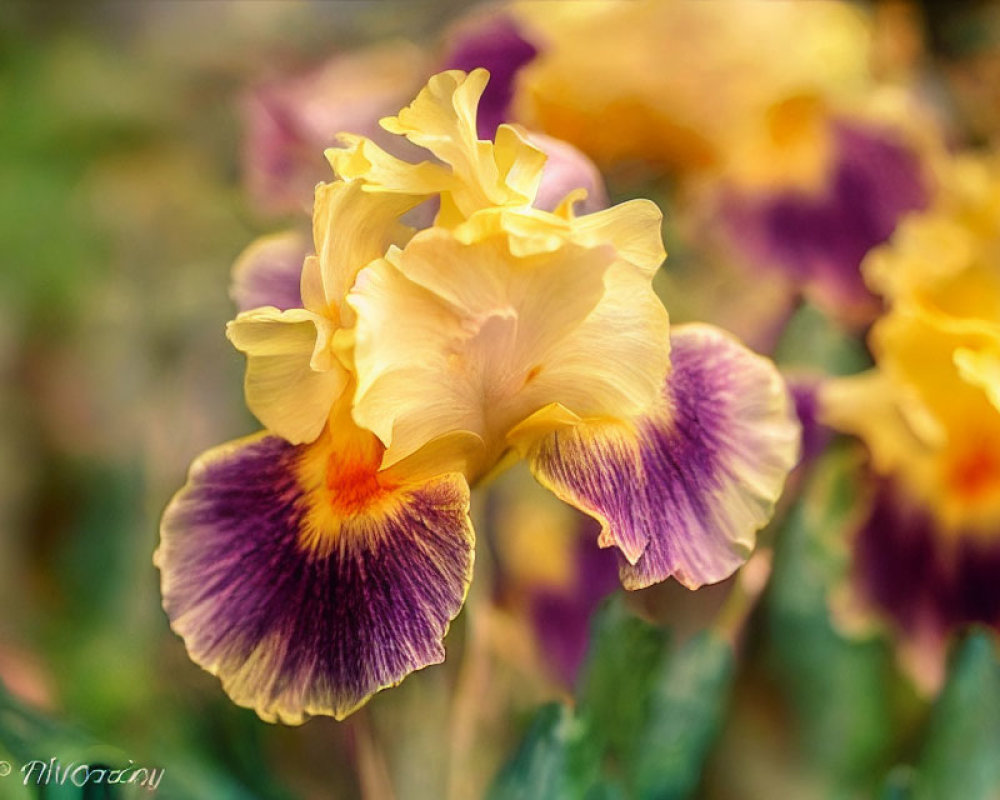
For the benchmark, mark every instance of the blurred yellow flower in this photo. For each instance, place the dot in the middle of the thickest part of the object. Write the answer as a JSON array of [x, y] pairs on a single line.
[[741, 86], [930, 410]]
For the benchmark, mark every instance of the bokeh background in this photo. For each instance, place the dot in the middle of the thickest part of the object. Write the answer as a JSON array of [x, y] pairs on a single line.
[[125, 197]]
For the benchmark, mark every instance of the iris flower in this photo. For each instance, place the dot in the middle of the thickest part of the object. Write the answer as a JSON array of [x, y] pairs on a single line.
[[322, 559], [801, 161], [927, 552]]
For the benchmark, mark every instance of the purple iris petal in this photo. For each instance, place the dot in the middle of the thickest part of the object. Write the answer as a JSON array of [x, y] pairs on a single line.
[[269, 273], [815, 436], [922, 575], [495, 43], [293, 631], [684, 492], [821, 239]]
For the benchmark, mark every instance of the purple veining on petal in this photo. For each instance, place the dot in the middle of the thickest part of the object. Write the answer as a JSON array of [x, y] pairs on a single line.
[[561, 619], [290, 631], [922, 576], [496, 43], [685, 493], [822, 239], [269, 273]]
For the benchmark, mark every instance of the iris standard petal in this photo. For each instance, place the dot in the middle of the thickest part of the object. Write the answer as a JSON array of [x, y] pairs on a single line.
[[351, 228], [268, 272], [682, 490], [494, 41], [615, 361], [453, 336], [305, 580], [633, 227], [362, 159], [442, 119], [282, 388]]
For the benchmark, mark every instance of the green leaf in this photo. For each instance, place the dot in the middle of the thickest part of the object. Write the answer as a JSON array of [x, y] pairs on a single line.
[[622, 662], [840, 688], [685, 713], [898, 784], [647, 717], [811, 341], [552, 761], [961, 755]]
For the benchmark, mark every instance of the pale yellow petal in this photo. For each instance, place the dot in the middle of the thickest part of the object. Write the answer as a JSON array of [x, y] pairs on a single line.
[[409, 389], [529, 230], [442, 119], [520, 162], [362, 159], [283, 390], [612, 365], [467, 337], [352, 227], [633, 227], [867, 406], [980, 368], [548, 293]]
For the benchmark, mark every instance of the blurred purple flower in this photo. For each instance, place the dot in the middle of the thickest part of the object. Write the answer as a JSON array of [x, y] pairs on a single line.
[[493, 41], [290, 121], [820, 239], [928, 584]]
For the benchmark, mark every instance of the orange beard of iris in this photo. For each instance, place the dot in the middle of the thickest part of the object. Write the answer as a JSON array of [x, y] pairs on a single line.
[[343, 490], [352, 477], [976, 473]]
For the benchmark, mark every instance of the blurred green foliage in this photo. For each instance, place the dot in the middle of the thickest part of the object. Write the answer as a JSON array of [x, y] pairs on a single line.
[[647, 713]]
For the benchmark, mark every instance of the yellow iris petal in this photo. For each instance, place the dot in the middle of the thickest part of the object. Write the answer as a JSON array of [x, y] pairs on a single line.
[[454, 336], [351, 228], [283, 389]]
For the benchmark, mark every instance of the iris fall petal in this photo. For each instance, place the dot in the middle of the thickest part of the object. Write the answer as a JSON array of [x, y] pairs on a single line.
[[306, 581], [682, 490]]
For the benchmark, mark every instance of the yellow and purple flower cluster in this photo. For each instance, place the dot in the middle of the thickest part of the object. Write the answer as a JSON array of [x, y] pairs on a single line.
[[927, 553], [445, 322]]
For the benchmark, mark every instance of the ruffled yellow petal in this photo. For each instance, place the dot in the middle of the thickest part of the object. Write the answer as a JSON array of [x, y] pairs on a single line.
[[529, 230], [867, 405], [917, 350], [362, 159], [980, 368], [283, 388], [927, 414], [634, 228], [455, 336], [351, 228], [519, 161], [614, 363], [442, 119]]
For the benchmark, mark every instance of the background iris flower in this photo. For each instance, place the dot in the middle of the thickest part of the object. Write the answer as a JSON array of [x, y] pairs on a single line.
[[322, 560], [928, 413]]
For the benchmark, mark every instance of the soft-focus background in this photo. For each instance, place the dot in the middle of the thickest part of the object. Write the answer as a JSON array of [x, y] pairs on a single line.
[[125, 196]]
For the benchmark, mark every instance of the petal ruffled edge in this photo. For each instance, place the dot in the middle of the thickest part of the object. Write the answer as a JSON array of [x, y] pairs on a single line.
[[305, 580], [681, 491], [284, 388]]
